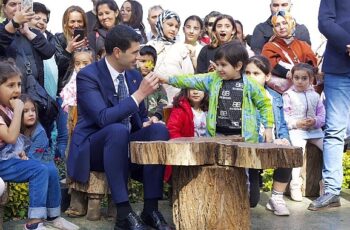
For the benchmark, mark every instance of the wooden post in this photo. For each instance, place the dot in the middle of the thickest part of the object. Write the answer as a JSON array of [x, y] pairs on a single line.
[[210, 197], [311, 172]]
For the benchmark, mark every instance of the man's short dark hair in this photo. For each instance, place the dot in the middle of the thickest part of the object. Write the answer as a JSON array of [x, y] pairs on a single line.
[[121, 36], [41, 8]]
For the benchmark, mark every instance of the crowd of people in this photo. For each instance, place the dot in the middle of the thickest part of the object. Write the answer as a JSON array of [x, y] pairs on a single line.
[[112, 80]]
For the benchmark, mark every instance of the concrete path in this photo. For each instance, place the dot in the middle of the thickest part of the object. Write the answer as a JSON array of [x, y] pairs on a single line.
[[300, 218]]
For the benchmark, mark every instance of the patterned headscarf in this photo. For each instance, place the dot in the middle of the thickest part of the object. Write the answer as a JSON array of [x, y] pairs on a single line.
[[289, 19], [167, 14]]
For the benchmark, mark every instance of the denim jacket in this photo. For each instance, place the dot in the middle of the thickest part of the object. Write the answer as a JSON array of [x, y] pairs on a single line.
[[39, 147], [281, 129]]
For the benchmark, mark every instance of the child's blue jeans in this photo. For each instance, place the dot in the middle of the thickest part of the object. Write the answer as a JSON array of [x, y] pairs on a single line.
[[44, 187]]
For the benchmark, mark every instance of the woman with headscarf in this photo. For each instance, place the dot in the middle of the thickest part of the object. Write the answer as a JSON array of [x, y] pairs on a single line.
[[284, 49], [173, 57]]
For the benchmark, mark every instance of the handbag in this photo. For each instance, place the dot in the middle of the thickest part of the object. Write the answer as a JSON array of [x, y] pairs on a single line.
[[280, 84], [47, 106]]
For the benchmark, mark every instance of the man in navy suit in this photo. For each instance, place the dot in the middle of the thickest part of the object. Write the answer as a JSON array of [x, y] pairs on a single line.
[[108, 120], [334, 24]]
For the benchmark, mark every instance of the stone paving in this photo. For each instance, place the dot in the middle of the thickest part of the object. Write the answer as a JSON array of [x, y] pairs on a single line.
[[300, 218]]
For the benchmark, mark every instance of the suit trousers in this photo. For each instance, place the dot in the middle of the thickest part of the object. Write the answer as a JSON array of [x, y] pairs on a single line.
[[109, 153]]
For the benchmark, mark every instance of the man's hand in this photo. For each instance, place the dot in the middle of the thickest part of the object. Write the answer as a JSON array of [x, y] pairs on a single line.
[[24, 15], [348, 49], [148, 85]]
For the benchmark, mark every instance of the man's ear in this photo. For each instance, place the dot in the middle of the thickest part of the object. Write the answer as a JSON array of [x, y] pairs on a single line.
[[268, 77], [116, 52]]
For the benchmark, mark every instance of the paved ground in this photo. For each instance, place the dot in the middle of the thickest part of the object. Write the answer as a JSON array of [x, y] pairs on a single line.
[[300, 218]]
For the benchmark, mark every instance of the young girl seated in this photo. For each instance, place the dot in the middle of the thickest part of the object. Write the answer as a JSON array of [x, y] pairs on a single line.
[[81, 58], [188, 116], [259, 68], [156, 101], [44, 201], [305, 115]]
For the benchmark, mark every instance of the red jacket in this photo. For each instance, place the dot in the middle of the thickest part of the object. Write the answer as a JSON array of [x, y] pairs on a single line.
[[180, 122]]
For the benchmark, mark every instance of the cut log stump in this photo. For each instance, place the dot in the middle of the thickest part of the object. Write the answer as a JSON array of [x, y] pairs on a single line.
[[209, 180], [211, 197]]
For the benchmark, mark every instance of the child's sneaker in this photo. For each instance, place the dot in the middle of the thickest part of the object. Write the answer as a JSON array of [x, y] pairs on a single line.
[[296, 195], [62, 224], [278, 207], [39, 226]]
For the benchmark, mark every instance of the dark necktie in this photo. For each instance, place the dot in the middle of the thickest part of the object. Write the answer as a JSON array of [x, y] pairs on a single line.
[[122, 94]]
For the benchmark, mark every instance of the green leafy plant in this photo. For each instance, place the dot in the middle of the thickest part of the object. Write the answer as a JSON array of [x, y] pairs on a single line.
[[17, 206], [346, 170]]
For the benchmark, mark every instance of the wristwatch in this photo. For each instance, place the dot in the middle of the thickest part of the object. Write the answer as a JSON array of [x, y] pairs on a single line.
[[15, 24]]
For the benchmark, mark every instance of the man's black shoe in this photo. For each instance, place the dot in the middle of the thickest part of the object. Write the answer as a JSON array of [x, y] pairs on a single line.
[[155, 220], [131, 222], [327, 200]]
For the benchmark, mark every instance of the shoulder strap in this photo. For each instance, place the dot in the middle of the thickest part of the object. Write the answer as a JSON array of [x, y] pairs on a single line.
[[284, 53], [5, 117]]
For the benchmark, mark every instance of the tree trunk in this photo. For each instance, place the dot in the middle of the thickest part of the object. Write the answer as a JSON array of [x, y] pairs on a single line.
[[210, 197]]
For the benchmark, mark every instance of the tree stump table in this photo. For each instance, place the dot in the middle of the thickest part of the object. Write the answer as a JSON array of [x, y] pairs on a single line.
[[209, 178]]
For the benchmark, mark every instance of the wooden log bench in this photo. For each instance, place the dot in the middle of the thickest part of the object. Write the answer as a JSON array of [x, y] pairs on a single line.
[[209, 178]]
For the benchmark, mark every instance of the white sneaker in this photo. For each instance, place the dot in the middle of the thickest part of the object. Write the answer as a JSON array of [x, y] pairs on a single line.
[[40, 227], [278, 207], [62, 224], [296, 195]]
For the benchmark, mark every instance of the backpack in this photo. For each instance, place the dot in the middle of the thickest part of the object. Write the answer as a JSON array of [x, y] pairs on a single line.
[[47, 106]]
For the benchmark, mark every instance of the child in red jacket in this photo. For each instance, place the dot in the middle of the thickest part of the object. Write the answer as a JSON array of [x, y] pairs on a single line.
[[188, 116]]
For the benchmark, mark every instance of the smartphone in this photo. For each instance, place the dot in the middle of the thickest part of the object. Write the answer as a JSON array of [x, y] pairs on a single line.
[[27, 4], [79, 32]]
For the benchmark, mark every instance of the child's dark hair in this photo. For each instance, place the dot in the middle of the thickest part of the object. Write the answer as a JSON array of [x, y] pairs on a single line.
[[233, 52], [8, 69], [310, 70], [149, 50], [184, 94], [261, 62], [26, 98]]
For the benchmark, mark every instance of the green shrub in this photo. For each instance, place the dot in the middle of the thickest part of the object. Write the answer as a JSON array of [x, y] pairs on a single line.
[[346, 170], [17, 206], [267, 175]]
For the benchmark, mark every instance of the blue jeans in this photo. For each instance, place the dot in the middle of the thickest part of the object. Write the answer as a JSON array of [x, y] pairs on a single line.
[[44, 187], [62, 131], [337, 103]]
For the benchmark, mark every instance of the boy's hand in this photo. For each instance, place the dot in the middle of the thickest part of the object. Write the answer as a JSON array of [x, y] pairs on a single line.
[[283, 141]]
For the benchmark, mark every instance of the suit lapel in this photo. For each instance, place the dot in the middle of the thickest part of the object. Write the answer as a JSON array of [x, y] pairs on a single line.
[[107, 84], [131, 81]]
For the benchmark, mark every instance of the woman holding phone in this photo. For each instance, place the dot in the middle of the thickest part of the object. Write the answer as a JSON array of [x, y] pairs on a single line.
[[74, 22]]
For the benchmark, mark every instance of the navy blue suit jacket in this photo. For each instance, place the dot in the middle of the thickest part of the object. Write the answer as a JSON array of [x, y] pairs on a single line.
[[334, 24], [98, 107]]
